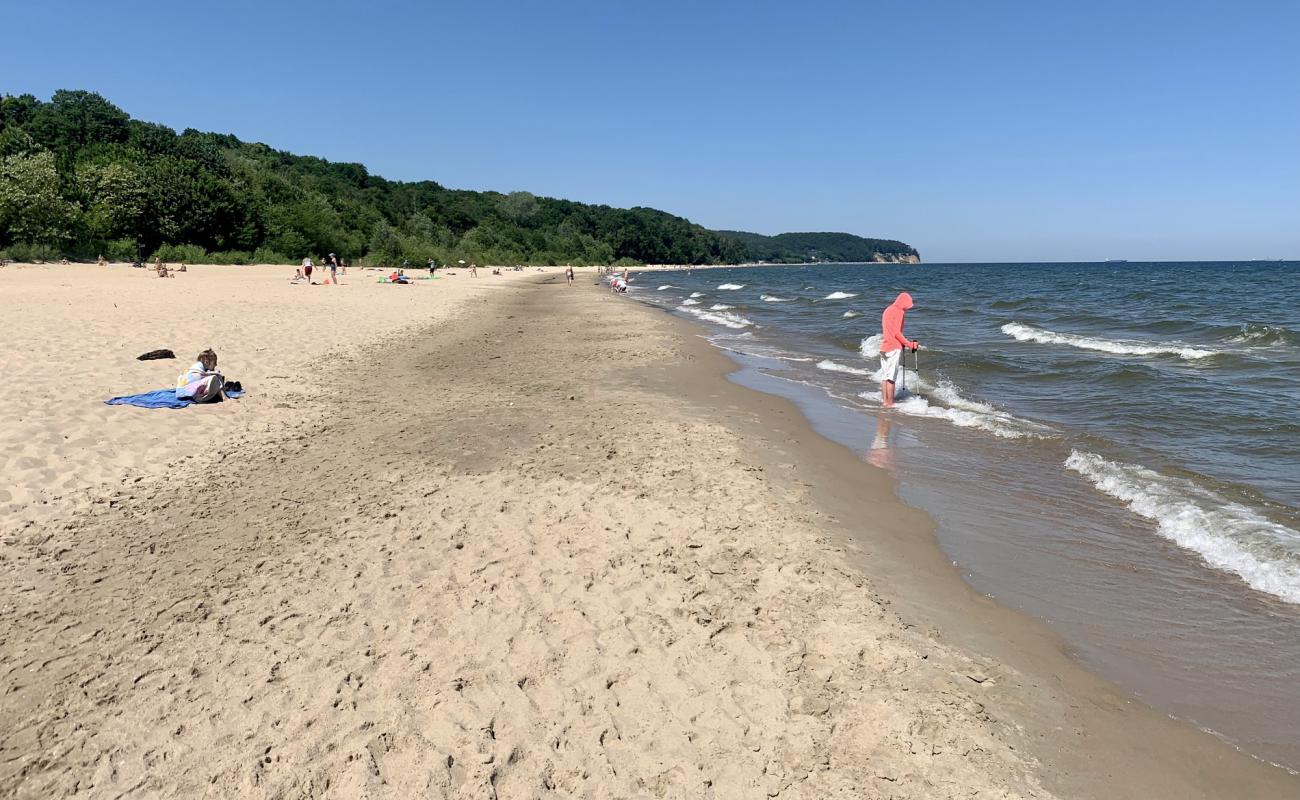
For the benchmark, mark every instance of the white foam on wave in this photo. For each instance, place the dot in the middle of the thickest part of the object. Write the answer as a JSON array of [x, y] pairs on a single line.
[[840, 296], [690, 302], [665, 286], [851, 314], [832, 366], [720, 307], [943, 401], [1263, 335], [1227, 535], [731, 287], [697, 294], [870, 346], [723, 318], [771, 298], [1028, 333]]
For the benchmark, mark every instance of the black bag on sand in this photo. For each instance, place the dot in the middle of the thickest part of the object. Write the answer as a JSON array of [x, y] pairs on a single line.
[[155, 354]]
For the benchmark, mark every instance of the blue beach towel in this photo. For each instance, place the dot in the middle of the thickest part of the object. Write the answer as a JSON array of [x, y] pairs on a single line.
[[159, 398]]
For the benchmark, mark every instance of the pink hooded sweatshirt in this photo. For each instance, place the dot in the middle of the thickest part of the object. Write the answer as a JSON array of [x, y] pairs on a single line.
[[891, 325]]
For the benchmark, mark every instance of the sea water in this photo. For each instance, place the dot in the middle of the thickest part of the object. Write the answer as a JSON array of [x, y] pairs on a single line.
[[1114, 448]]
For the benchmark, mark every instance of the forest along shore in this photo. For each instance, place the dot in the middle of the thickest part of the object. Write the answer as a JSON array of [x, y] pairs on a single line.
[[544, 549]]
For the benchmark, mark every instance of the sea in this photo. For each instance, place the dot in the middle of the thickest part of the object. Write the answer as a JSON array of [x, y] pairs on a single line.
[[1113, 448]]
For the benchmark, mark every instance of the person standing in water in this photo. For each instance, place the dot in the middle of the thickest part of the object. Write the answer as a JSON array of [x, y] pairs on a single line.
[[892, 344]]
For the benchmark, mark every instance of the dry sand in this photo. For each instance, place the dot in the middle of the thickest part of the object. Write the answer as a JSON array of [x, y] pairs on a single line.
[[534, 547], [72, 334]]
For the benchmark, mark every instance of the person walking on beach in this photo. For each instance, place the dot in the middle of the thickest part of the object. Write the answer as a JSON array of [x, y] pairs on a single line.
[[892, 344], [568, 274]]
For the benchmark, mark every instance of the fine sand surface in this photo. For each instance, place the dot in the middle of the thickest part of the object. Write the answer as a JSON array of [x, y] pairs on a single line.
[[72, 334], [518, 540]]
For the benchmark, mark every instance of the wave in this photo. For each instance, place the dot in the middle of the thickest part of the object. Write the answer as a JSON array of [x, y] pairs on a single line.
[[690, 301], [840, 296], [869, 347], [723, 318], [731, 287], [1011, 304], [1227, 535], [958, 410], [831, 366], [696, 294], [1264, 335], [851, 314], [720, 307], [771, 298], [665, 286], [1028, 333]]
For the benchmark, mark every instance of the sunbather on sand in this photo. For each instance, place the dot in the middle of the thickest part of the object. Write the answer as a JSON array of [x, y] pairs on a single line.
[[201, 382]]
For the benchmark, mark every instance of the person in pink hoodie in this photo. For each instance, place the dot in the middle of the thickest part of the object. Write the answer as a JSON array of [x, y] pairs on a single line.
[[892, 345]]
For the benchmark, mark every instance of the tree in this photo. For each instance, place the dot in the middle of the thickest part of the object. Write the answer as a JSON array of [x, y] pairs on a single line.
[[116, 201], [385, 245], [31, 207]]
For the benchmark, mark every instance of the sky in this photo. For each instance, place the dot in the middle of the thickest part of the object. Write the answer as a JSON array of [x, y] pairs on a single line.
[[972, 130]]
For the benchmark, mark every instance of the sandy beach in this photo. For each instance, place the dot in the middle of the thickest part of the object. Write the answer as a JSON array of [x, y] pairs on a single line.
[[492, 537]]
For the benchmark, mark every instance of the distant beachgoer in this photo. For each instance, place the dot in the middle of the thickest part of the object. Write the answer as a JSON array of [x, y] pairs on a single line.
[[162, 271], [473, 270], [183, 268], [298, 277], [306, 269], [333, 262], [100, 261], [201, 382], [892, 345], [568, 274], [432, 266], [157, 262]]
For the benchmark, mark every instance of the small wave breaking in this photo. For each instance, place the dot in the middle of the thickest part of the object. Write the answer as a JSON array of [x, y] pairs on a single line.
[[723, 318], [690, 301], [869, 347], [720, 307], [1265, 336], [840, 296], [665, 287], [832, 366], [1227, 535], [771, 298], [851, 314], [1028, 333], [731, 287], [696, 294]]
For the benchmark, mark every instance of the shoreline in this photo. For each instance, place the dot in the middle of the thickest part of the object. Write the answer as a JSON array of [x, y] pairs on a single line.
[[578, 560], [1147, 753]]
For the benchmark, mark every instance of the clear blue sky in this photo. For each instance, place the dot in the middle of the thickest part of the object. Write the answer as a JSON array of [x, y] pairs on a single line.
[[973, 130]]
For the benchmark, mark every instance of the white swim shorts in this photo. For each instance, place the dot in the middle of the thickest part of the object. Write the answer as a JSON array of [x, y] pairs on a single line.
[[891, 364]]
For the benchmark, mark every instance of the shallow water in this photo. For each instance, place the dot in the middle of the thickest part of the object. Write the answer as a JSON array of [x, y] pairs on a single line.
[[1114, 448]]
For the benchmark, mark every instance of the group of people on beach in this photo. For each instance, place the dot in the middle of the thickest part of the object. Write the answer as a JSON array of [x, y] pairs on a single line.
[[331, 262]]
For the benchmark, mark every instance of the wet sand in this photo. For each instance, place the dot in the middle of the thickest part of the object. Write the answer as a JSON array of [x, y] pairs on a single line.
[[540, 547]]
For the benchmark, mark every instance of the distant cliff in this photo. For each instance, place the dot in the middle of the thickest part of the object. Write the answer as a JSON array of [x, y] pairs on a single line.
[[790, 248]]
